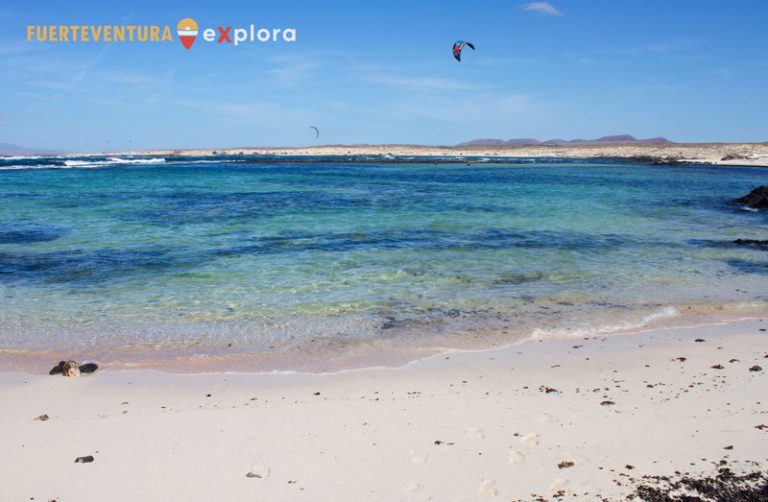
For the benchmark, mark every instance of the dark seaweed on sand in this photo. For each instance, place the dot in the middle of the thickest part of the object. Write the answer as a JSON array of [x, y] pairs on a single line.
[[725, 486]]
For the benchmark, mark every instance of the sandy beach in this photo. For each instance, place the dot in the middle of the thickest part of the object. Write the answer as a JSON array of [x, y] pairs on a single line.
[[567, 419]]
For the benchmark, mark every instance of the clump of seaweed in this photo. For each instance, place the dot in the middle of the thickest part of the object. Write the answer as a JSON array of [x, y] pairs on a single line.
[[724, 486]]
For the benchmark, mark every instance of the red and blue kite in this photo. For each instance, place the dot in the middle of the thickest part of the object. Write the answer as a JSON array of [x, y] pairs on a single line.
[[460, 45]]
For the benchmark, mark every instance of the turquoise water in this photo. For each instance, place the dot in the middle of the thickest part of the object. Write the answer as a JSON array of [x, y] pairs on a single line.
[[252, 258]]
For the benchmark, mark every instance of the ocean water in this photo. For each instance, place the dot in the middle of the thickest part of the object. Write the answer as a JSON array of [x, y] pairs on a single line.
[[259, 263]]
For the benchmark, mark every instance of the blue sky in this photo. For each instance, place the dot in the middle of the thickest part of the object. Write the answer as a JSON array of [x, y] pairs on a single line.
[[383, 72]]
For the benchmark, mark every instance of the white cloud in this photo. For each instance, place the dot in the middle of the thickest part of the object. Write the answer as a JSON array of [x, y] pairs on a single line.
[[542, 8], [292, 70], [423, 83]]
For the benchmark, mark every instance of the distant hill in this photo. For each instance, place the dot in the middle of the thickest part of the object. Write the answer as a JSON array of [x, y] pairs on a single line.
[[621, 139], [8, 149]]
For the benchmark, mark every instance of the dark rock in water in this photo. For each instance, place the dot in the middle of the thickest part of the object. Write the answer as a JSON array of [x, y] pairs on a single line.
[[752, 243], [756, 199], [84, 460], [72, 369]]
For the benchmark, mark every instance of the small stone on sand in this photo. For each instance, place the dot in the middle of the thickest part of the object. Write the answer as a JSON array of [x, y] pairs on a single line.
[[84, 460]]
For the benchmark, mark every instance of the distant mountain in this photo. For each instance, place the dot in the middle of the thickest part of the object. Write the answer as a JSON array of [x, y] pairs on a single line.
[[621, 139], [8, 149]]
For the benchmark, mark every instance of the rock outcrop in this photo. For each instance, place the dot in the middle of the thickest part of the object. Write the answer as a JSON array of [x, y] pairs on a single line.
[[756, 199]]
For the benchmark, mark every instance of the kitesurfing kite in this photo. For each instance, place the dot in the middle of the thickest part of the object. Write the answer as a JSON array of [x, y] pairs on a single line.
[[460, 45], [317, 131]]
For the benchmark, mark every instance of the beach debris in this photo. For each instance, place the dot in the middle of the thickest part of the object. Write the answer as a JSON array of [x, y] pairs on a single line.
[[733, 361], [721, 485], [717, 366], [755, 368], [84, 460], [42, 418], [458, 46], [607, 403], [316, 393], [258, 471], [439, 442], [699, 340], [72, 369], [729, 447], [761, 427], [548, 390], [566, 464], [629, 467], [681, 359], [756, 199]]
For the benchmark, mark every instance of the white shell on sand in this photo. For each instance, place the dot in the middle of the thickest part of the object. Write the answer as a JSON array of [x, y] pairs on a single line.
[[258, 471]]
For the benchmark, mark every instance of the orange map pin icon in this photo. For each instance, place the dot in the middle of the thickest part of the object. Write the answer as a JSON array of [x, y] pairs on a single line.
[[187, 32]]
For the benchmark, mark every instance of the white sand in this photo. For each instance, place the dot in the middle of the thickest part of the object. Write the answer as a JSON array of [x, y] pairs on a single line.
[[370, 434]]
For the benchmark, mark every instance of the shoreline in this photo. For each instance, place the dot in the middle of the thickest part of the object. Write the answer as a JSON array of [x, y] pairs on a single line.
[[481, 425], [706, 154], [381, 352]]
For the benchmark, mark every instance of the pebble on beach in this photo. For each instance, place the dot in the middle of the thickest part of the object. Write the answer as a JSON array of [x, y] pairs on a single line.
[[72, 368]]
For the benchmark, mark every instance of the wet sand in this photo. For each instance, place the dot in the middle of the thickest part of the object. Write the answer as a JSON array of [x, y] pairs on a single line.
[[571, 416]]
